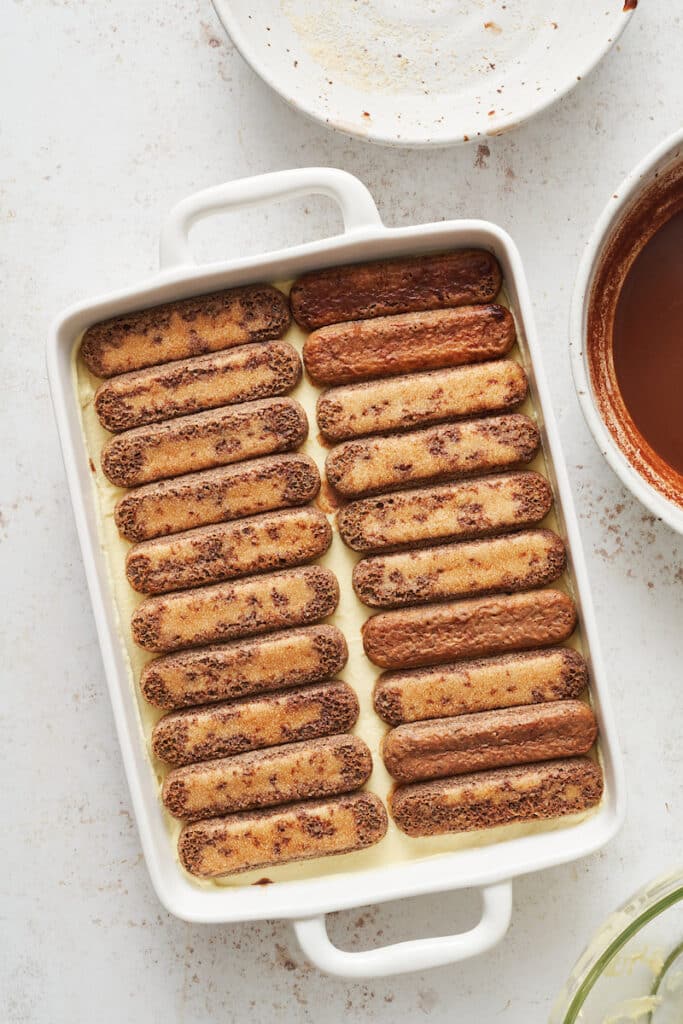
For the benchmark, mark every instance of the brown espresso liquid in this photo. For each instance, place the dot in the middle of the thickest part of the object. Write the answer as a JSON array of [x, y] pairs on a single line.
[[647, 342]]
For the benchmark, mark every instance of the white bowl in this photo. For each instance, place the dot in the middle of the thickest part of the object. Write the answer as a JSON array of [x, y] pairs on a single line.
[[668, 154], [409, 74]]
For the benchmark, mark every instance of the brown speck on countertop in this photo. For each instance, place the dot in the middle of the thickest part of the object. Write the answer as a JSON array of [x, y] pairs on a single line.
[[284, 959], [483, 153], [630, 5], [493, 27], [366, 113], [92, 466]]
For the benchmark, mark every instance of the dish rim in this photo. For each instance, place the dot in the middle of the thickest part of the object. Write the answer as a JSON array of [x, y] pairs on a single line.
[[477, 866]]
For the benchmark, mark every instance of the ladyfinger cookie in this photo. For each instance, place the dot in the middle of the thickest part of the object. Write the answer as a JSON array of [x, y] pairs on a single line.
[[508, 680], [244, 668], [489, 739], [439, 633], [274, 540], [459, 510], [391, 345], [228, 611], [399, 403], [262, 839], [178, 389], [502, 796], [208, 439], [265, 778], [368, 466], [191, 327], [217, 495], [360, 290], [530, 558], [220, 730]]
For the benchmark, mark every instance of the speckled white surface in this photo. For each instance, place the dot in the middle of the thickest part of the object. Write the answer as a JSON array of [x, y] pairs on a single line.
[[111, 112]]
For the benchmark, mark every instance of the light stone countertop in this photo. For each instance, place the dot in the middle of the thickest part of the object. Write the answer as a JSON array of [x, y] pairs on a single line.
[[111, 112]]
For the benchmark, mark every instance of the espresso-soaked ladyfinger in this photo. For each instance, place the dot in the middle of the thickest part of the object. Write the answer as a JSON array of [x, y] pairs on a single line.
[[458, 510], [376, 464], [229, 611], [274, 540], [438, 633], [190, 327], [399, 403], [501, 796], [300, 831], [467, 686], [244, 668], [191, 385], [208, 439], [221, 730], [391, 345], [489, 739], [217, 495], [265, 778], [360, 290], [519, 561]]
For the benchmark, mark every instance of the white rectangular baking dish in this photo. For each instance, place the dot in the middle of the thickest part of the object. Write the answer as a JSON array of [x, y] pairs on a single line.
[[306, 901]]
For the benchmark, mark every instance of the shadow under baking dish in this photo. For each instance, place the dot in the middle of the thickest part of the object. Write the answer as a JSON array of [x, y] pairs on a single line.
[[359, 672]]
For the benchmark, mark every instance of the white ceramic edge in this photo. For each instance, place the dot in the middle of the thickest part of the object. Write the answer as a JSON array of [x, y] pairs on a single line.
[[649, 496], [481, 128], [481, 866]]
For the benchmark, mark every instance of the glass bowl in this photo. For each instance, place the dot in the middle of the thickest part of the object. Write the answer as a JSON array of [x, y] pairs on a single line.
[[632, 970]]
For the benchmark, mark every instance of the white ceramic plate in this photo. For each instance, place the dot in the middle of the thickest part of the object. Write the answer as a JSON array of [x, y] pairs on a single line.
[[421, 74]]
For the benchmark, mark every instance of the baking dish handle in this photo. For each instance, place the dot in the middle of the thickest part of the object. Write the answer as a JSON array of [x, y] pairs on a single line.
[[416, 955], [357, 206]]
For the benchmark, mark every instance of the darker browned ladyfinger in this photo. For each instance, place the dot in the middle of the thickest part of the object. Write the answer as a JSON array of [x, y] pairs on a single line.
[[190, 327], [221, 730], [489, 739], [519, 561], [265, 778], [217, 495], [300, 831], [395, 461], [503, 796], [392, 345], [274, 540], [442, 691], [208, 439], [229, 611], [438, 633], [418, 399], [459, 510], [181, 388], [292, 657], [360, 290]]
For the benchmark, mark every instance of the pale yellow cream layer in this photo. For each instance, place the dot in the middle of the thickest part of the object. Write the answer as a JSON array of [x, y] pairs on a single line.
[[360, 673]]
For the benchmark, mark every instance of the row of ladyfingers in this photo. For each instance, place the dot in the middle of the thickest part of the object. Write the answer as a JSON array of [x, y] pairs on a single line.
[[197, 442], [285, 740], [487, 716], [283, 539], [485, 799], [263, 422]]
